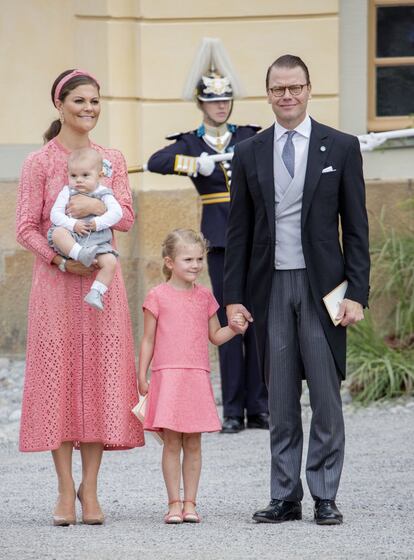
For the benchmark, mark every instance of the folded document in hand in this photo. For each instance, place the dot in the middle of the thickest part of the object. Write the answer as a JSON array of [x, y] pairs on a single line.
[[139, 411], [334, 299]]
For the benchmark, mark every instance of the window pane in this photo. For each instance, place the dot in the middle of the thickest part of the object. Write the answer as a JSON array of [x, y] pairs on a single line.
[[395, 31], [395, 87]]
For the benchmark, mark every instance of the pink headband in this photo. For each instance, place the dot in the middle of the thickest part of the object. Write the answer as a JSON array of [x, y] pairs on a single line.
[[66, 79]]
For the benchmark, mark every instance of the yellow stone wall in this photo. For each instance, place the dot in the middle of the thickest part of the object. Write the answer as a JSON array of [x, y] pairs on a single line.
[[141, 51]]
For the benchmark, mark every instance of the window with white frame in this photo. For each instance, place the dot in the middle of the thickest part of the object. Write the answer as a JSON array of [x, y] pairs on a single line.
[[391, 65]]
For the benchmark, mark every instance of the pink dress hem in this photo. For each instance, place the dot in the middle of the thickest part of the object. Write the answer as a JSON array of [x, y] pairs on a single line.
[[181, 400]]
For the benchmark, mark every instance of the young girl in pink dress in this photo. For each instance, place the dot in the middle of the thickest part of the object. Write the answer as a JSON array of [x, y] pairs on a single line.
[[180, 317]]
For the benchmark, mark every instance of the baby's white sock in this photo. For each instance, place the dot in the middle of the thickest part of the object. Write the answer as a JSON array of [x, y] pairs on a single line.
[[101, 288], [74, 252]]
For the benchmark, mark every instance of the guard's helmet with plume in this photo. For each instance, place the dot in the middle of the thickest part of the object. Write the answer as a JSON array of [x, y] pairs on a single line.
[[212, 76], [214, 87]]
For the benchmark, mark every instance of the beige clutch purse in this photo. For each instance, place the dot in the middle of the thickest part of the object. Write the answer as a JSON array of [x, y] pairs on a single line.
[[139, 411]]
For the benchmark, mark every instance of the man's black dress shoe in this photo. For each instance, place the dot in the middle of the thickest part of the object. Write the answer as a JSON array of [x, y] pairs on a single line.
[[259, 421], [326, 512], [232, 425], [278, 511]]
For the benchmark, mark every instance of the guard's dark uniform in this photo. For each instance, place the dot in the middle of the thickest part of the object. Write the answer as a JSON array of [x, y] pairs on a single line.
[[242, 385]]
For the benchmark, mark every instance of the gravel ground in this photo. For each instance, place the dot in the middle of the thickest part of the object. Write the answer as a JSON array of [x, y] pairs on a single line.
[[376, 497]]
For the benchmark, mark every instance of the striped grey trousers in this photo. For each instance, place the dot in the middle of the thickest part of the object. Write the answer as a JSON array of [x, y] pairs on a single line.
[[297, 347]]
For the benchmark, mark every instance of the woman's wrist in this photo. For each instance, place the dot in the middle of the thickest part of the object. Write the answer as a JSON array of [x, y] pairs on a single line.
[[60, 262], [57, 260]]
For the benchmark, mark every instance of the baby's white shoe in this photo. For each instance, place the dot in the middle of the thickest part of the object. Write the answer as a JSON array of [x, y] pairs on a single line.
[[87, 255], [94, 298]]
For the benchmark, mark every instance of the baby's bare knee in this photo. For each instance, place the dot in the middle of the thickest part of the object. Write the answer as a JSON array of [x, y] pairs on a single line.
[[107, 261], [58, 232]]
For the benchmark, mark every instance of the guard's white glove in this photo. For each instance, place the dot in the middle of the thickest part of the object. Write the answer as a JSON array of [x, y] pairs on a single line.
[[205, 165]]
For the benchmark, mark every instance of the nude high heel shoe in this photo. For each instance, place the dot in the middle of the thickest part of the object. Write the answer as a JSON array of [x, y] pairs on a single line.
[[67, 519], [90, 517]]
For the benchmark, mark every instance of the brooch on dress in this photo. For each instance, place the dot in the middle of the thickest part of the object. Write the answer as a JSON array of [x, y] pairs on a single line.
[[107, 168]]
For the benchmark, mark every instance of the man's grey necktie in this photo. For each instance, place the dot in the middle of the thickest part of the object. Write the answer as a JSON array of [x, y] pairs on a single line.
[[288, 153]]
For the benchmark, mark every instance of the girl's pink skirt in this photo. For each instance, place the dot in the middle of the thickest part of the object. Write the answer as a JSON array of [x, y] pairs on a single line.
[[181, 400]]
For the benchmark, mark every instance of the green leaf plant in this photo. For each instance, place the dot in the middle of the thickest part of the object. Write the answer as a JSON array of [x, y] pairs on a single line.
[[381, 347]]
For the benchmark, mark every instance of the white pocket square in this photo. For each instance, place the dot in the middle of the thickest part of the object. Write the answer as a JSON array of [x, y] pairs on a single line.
[[329, 169]]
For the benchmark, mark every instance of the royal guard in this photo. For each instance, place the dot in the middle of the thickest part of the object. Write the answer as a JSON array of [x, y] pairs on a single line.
[[213, 84]]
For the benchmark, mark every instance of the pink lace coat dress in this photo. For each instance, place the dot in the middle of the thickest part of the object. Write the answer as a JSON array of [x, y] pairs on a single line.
[[80, 382]]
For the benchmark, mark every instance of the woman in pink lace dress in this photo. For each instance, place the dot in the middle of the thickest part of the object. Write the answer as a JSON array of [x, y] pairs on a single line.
[[80, 382]]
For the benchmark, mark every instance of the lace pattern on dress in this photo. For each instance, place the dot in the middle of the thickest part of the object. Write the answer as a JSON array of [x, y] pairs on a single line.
[[80, 382]]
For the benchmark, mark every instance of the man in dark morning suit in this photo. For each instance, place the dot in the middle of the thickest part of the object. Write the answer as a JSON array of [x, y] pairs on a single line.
[[294, 184], [243, 389]]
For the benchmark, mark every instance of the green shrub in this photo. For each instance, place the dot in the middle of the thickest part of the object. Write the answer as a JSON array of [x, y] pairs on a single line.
[[378, 370], [381, 350]]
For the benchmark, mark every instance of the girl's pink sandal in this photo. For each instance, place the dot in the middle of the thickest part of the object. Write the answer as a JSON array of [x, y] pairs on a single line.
[[173, 518], [191, 517]]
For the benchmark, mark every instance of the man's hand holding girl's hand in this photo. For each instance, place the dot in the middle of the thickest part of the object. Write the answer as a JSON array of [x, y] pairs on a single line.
[[233, 310], [238, 323]]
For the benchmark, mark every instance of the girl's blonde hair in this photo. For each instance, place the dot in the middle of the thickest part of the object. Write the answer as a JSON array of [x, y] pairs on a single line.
[[177, 237]]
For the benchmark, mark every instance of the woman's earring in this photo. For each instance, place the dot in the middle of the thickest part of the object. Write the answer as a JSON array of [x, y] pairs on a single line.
[[61, 117]]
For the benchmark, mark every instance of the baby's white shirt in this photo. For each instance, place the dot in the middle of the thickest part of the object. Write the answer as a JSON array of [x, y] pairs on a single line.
[[109, 218]]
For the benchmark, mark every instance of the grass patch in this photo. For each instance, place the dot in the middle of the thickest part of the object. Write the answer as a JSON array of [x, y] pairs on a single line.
[[378, 370], [381, 350]]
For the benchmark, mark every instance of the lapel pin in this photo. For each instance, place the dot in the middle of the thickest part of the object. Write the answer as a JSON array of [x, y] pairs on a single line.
[[322, 149]]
